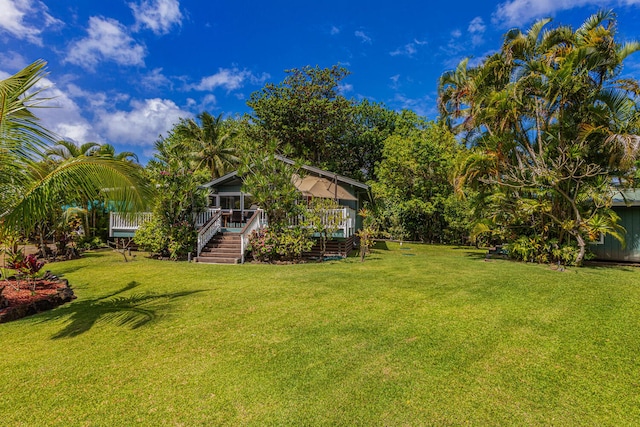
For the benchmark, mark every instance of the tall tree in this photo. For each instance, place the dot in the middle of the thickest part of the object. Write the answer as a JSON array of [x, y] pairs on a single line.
[[27, 192], [209, 143], [306, 112], [550, 123], [413, 190], [109, 151], [65, 150]]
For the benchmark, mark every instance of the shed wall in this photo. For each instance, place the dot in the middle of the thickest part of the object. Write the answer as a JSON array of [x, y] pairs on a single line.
[[612, 250]]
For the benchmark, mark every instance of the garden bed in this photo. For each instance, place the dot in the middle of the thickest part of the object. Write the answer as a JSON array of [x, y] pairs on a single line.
[[20, 298]]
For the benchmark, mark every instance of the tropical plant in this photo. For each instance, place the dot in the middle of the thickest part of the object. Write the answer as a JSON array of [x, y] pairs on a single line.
[[29, 191], [551, 125], [109, 151], [323, 217], [289, 244], [65, 150], [368, 232], [268, 177], [413, 188], [177, 199], [209, 143]]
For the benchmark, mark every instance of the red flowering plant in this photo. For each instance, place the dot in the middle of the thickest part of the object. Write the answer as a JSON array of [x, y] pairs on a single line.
[[28, 266]]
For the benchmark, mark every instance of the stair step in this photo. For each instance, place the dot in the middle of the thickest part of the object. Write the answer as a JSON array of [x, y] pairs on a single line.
[[217, 260], [231, 236], [223, 247], [215, 252]]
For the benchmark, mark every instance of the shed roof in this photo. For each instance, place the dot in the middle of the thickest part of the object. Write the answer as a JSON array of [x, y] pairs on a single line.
[[626, 197]]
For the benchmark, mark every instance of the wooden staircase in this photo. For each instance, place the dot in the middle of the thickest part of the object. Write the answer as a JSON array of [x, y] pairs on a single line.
[[223, 248]]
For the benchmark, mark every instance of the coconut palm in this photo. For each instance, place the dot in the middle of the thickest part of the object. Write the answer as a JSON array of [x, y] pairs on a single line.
[[65, 150], [109, 151], [209, 143], [28, 192]]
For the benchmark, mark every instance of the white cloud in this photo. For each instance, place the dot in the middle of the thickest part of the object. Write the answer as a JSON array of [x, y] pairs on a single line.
[[395, 81], [477, 25], [456, 34], [13, 60], [334, 31], [143, 124], [513, 13], [345, 88], [107, 40], [364, 38], [421, 106], [65, 117], [157, 15], [25, 19], [408, 49], [209, 102], [230, 79], [476, 29], [155, 79]]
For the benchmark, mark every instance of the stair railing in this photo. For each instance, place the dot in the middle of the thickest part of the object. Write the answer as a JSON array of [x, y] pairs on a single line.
[[257, 221], [208, 230], [201, 218]]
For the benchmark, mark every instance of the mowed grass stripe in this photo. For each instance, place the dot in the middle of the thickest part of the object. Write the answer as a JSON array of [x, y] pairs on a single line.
[[440, 337]]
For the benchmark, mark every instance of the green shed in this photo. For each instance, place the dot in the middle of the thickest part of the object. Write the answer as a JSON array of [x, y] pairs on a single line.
[[627, 205]]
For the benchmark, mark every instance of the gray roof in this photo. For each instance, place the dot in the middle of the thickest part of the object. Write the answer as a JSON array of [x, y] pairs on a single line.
[[626, 197], [317, 171]]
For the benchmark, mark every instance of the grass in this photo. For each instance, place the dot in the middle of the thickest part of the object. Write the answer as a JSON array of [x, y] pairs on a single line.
[[440, 337]]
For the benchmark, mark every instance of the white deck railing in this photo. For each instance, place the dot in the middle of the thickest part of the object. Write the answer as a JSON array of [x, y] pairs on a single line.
[[207, 231], [119, 221], [345, 217], [126, 222], [203, 217]]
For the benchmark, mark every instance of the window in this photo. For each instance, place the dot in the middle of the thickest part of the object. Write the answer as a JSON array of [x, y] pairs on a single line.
[[599, 240], [230, 202]]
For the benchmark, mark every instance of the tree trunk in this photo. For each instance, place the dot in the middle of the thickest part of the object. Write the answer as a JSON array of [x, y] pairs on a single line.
[[582, 249]]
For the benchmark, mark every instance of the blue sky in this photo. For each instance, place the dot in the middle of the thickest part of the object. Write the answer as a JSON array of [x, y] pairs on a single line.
[[124, 71]]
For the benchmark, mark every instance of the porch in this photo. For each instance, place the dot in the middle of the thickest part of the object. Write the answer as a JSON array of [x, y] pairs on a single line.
[[231, 220]]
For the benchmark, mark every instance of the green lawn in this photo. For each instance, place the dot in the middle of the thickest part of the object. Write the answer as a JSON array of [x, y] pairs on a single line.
[[418, 335]]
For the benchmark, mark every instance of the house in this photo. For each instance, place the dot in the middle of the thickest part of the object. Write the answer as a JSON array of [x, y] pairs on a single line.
[[626, 204], [224, 227], [239, 215]]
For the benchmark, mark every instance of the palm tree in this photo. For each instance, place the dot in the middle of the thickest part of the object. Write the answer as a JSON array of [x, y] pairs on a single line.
[[549, 121], [65, 150], [109, 151], [27, 191], [209, 143]]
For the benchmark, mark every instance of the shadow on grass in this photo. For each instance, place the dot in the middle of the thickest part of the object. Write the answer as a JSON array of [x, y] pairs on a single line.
[[380, 245], [128, 311], [478, 255]]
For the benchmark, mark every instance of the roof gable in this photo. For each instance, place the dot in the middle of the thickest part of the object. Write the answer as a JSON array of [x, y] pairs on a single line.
[[320, 172]]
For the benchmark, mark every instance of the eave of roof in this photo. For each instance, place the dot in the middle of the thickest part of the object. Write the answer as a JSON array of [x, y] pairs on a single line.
[[321, 172], [626, 197], [328, 174]]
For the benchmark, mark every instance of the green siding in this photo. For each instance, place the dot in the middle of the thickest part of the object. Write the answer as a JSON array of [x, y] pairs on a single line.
[[122, 233], [612, 250], [229, 188]]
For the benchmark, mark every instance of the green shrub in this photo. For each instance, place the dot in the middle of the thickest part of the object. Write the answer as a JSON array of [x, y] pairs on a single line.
[[537, 249], [286, 244], [175, 241], [89, 242], [151, 236]]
